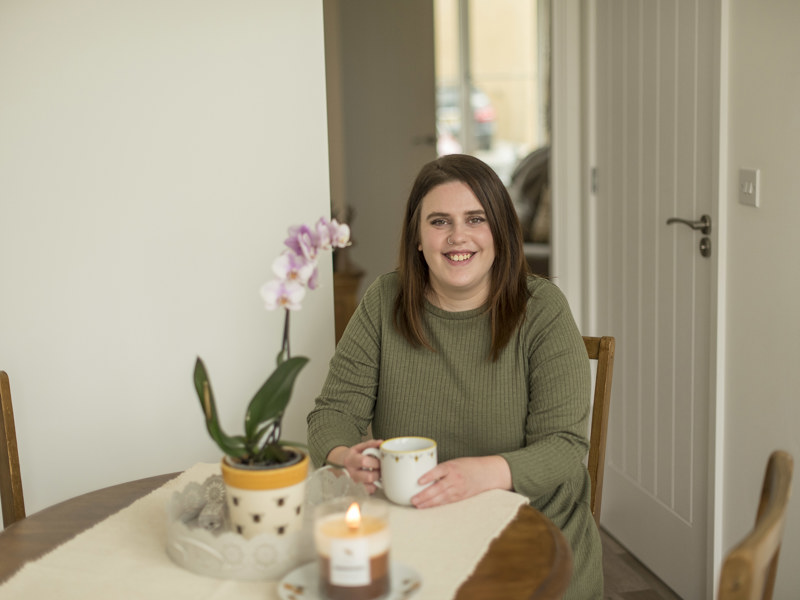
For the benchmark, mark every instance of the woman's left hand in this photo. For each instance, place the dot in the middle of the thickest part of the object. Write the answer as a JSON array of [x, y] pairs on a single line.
[[462, 478]]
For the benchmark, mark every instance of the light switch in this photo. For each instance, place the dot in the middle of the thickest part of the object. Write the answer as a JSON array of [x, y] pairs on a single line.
[[748, 187]]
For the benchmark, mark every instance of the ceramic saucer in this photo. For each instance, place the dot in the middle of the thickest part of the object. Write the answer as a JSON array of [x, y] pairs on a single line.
[[303, 583]]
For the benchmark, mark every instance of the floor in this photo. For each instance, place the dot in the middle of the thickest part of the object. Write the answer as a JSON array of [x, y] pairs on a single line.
[[628, 579]]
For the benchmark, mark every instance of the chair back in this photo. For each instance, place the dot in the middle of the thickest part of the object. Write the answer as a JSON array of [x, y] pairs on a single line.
[[600, 349], [10, 478], [748, 572]]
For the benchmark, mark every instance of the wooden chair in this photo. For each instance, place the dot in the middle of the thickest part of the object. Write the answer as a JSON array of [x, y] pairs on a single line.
[[748, 572], [10, 479], [600, 349]]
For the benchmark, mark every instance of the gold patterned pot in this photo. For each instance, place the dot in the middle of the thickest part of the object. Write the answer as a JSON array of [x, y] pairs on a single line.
[[266, 499]]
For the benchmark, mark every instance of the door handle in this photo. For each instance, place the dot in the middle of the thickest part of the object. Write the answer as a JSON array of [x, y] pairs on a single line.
[[704, 224]]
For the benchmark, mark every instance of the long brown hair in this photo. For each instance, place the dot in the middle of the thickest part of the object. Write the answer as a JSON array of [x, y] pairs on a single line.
[[508, 295]]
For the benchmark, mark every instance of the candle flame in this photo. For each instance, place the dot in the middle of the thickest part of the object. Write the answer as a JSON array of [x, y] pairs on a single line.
[[353, 516]]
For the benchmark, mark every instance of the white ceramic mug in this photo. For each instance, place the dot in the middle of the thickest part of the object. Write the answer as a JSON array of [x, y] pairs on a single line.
[[403, 461]]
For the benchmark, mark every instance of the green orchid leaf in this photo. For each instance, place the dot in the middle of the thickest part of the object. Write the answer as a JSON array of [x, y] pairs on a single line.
[[230, 445], [272, 398], [271, 454], [288, 443]]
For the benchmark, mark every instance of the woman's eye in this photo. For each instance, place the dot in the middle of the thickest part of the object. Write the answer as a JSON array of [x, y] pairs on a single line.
[[437, 222], [477, 220]]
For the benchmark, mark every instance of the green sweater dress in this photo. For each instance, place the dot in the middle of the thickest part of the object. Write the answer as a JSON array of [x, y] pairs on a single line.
[[531, 406]]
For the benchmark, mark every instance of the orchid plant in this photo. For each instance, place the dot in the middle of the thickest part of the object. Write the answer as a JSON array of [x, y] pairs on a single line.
[[295, 270]]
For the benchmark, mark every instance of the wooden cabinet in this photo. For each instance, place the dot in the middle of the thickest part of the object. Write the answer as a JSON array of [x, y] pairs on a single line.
[[345, 298]]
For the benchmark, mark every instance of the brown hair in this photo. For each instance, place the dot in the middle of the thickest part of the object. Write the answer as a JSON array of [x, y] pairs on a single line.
[[508, 295]]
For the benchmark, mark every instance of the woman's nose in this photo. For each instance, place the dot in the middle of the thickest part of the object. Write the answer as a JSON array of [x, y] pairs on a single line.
[[457, 233]]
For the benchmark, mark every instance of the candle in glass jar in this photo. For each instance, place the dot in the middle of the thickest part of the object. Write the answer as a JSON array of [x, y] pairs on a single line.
[[352, 538]]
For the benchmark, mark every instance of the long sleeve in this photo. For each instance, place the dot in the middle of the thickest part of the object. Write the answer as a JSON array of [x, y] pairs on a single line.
[[346, 404], [559, 388]]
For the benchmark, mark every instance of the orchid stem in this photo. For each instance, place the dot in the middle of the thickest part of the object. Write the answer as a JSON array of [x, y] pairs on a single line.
[[286, 334]]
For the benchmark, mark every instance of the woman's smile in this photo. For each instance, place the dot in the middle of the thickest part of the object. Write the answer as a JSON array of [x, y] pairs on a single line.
[[460, 257]]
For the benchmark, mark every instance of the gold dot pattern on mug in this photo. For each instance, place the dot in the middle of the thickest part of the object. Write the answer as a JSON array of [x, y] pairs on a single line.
[[398, 458]]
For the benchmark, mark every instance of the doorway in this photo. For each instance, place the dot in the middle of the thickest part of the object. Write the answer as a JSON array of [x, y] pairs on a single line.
[[493, 64], [379, 58]]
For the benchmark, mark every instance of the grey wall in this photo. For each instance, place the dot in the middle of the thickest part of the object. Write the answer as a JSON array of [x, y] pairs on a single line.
[[762, 379]]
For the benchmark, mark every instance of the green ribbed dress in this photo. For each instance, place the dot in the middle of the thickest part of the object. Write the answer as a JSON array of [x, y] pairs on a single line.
[[531, 406]]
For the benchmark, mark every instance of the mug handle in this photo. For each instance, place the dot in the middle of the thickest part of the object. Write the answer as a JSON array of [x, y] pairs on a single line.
[[374, 452]]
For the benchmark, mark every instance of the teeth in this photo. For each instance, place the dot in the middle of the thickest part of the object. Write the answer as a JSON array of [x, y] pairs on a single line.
[[460, 257]]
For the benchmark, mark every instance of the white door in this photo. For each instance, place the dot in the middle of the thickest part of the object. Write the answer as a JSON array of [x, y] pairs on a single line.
[[389, 118], [657, 158]]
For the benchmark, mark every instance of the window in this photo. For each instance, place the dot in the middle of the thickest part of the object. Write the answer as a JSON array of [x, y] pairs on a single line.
[[492, 62]]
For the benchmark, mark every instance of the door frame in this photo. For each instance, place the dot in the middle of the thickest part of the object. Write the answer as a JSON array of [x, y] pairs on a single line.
[[574, 125], [567, 224]]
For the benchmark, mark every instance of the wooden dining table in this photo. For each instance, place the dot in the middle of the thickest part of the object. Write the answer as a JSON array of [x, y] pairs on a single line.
[[529, 559]]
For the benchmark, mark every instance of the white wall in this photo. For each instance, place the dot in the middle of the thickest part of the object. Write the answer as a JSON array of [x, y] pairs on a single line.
[[152, 155], [763, 326]]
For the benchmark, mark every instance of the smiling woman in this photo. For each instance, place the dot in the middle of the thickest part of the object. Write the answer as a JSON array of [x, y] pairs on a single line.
[[461, 345], [468, 185]]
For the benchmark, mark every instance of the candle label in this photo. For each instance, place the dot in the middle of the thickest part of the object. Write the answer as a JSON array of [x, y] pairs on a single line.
[[349, 562]]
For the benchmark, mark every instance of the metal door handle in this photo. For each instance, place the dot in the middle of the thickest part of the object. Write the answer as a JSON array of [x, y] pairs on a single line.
[[704, 224]]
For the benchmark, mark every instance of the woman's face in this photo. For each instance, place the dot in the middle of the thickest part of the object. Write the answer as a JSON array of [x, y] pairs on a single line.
[[457, 243]]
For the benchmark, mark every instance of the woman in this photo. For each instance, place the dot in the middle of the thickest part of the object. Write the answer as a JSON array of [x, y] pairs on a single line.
[[462, 345]]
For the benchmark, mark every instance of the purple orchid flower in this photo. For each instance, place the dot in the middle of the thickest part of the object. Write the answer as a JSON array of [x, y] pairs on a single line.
[[294, 267], [340, 234], [303, 240], [282, 294]]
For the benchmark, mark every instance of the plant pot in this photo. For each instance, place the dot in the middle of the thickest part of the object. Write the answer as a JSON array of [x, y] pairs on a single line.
[[266, 499]]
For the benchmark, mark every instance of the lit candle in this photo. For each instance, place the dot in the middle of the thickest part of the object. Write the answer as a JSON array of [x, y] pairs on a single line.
[[353, 517], [352, 540]]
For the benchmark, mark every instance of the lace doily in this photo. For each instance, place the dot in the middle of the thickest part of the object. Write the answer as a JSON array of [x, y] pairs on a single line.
[[200, 539]]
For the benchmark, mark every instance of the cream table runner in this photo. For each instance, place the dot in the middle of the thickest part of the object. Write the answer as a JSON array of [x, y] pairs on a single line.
[[124, 556]]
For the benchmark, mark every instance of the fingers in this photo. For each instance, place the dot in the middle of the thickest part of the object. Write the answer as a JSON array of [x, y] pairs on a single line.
[[462, 478], [448, 486], [371, 488], [436, 473], [366, 462], [361, 467], [434, 496]]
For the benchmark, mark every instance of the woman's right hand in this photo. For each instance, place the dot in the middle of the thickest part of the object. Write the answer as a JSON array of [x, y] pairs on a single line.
[[361, 468]]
